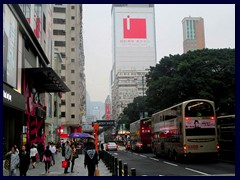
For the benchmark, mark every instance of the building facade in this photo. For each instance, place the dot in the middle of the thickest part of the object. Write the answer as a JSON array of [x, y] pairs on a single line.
[[193, 34], [68, 40], [27, 78], [134, 51]]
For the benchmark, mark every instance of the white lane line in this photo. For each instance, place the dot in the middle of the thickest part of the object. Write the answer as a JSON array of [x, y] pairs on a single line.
[[135, 154], [154, 159], [143, 156], [197, 171], [170, 163], [160, 175]]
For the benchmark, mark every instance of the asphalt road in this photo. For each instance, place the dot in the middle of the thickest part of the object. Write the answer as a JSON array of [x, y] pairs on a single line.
[[146, 164]]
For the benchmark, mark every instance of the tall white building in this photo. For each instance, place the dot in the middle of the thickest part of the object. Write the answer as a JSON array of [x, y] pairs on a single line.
[[134, 51], [68, 40]]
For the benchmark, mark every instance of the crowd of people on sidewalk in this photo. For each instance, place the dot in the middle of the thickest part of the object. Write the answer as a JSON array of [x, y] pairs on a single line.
[[22, 158]]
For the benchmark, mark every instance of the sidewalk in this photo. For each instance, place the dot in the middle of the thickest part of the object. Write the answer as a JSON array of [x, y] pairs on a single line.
[[57, 170]]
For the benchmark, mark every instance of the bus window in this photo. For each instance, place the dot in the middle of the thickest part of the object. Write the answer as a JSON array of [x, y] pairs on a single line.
[[199, 109]]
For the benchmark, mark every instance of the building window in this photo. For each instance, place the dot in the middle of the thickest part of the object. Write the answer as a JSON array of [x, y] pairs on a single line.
[[72, 71], [60, 43], [72, 39], [72, 7], [72, 28], [73, 93], [72, 105], [72, 116], [73, 49], [59, 21], [63, 102], [59, 10], [44, 22], [63, 67], [59, 32], [72, 17], [63, 114], [72, 60], [72, 82]]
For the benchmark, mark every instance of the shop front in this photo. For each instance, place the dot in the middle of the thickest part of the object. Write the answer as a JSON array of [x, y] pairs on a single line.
[[13, 117]]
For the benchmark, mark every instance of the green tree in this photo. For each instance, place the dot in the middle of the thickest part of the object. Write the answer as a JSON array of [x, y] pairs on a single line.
[[207, 74]]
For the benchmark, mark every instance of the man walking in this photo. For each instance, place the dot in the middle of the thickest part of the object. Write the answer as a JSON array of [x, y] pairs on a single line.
[[52, 148], [68, 152]]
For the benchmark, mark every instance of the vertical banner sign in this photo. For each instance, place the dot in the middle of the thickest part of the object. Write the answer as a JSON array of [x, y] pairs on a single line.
[[134, 28]]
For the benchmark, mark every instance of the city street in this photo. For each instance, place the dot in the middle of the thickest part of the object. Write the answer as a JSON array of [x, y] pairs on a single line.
[[57, 170], [147, 164]]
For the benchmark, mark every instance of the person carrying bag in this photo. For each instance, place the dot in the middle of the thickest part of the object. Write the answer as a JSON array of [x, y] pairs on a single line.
[[97, 172], [91, 159]]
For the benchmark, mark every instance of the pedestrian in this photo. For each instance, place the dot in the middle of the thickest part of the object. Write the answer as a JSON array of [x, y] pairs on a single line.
[[40, 149], [73, 157], [63, 149], [68, 152], [52, 148], [91, 159], [47, 159], [33, 152], [13, 161], [24, 161]]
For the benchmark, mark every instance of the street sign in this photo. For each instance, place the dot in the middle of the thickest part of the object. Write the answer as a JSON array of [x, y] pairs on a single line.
[[106, 122]]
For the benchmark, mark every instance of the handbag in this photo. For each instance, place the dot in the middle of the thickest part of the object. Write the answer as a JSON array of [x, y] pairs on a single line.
[[75, 156], [46, 158], [96, 173], [37, 156], [64, 164], [7, 164]]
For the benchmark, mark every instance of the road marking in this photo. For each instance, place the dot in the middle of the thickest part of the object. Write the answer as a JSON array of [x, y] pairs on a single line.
[[143, 156], [135, 154], [170, 163], [160, 175], [144, 175], [154, 159], [197, 171]]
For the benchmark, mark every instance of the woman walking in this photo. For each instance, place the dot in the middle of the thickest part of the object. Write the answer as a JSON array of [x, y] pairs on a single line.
[[33, 152], [13, 161], [91, 159], [73, 157], [47, 159], [24, 161]]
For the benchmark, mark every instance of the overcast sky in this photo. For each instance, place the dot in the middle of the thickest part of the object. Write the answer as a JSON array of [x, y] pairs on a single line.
[[219, 26]]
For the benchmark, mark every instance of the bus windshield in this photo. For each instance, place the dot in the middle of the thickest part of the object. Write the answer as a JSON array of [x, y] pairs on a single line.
[[199, 127]]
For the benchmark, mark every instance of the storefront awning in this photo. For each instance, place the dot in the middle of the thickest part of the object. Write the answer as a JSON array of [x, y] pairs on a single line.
[[46, 79]]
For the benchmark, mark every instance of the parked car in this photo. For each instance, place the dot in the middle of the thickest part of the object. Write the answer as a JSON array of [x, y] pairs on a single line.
[[128, 145], [111, 146]]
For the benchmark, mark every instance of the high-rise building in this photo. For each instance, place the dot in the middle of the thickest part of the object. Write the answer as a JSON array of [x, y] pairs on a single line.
[[68, 40], [134, 51], [193, 33]]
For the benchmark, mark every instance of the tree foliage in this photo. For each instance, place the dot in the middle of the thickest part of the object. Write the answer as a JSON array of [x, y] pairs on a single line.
[[201, 74]]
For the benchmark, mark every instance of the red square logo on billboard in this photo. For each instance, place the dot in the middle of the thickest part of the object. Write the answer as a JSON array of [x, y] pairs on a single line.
[[134, 28]]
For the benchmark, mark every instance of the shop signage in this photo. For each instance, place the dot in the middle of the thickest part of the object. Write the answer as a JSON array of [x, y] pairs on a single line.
[[12, 98]]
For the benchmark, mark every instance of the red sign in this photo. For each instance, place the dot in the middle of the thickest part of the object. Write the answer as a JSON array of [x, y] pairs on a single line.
[[107, 111], [63, 136], [134, 28]]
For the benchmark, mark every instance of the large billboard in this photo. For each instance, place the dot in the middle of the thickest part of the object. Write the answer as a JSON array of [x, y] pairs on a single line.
[[135, 29]]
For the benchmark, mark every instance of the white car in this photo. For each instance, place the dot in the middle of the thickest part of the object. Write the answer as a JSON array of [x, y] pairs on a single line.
[[111, 146]]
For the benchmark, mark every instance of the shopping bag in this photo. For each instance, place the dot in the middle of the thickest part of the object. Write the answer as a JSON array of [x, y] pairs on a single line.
[[46, 158], [37, 156], [64, 164], [96, 173]]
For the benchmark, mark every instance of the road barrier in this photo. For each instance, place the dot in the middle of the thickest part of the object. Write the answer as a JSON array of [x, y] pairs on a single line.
[[115, 166]]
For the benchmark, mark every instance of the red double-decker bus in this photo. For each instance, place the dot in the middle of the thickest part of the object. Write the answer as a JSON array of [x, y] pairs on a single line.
[[140, 135]]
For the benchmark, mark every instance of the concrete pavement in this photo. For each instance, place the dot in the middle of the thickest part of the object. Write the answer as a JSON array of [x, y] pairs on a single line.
[[57, 170]]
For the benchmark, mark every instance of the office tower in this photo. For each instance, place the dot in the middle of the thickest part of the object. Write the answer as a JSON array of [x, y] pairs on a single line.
[[193, 33], [134, 51]]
